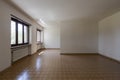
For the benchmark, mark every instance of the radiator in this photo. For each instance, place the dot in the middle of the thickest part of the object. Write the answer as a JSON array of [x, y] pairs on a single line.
[[18, 53]]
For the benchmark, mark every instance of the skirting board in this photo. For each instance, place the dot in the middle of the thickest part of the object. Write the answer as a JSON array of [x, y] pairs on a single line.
[[110, 58], [79, 53], [52, 48]]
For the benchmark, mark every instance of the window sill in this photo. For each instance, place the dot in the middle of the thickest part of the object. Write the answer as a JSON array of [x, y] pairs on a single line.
[[20, 46]]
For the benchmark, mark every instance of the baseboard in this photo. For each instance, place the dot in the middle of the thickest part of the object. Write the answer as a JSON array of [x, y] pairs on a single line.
[[39, 50], [5, 69], [79, 53], [52, 48], [109, 58]]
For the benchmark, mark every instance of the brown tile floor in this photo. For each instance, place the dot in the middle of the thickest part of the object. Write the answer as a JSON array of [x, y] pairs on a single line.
[[52, 66]]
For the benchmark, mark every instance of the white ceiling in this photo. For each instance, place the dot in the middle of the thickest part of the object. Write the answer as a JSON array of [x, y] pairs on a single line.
[[60, 10]]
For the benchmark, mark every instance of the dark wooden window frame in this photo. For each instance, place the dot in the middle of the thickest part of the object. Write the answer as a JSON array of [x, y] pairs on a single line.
[[18, 21]]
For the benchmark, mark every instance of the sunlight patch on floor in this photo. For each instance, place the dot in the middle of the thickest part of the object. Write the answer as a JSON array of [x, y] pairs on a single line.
[[41, 53]]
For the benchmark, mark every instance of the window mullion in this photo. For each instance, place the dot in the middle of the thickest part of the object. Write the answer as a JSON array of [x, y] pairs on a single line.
[[16, 33]]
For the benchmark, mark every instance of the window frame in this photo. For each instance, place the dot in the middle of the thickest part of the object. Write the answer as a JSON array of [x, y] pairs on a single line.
[[16, 32]]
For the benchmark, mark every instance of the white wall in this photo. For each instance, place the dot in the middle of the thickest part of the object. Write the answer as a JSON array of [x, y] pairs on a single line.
[[5, 56], [79, 37], [5, 51], [52, 35], [109, 36]]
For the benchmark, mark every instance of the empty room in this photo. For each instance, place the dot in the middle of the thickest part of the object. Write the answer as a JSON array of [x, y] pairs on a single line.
[[59, 39]]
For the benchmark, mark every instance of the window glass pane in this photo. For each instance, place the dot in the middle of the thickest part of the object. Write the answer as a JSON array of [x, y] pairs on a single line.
[[20, 33], [13, 32], [38, 36], [25, 34]]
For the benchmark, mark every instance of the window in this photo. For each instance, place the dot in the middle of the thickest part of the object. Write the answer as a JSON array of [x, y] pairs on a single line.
[[38, 36], [19, 32]]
